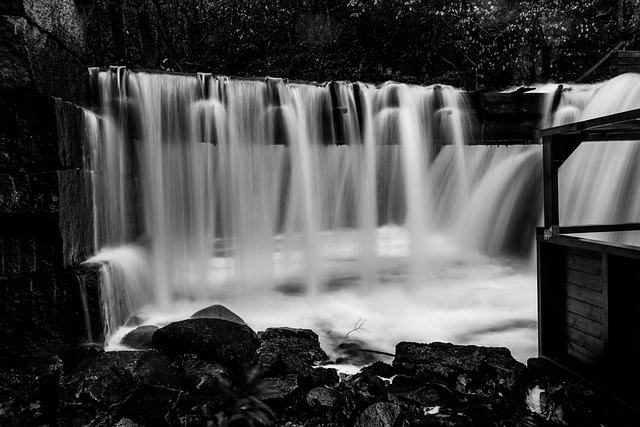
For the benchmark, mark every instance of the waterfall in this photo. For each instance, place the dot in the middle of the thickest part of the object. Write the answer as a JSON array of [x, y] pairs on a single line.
[[208, 188]]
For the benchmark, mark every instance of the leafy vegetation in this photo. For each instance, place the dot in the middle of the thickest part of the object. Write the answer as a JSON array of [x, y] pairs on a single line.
[[467, 43], [242, 402]]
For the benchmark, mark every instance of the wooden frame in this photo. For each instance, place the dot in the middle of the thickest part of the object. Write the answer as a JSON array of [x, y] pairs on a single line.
[[588, 289]]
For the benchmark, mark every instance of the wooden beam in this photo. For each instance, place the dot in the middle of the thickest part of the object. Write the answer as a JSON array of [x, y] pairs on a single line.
[[599, 228], [592, 123], [550, 184]]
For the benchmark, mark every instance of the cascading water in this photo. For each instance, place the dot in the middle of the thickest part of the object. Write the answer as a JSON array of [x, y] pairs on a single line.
[[312, 206], [598, 183]]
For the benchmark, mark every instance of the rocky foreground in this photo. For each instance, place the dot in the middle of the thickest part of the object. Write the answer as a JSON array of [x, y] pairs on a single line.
[[213, 371]]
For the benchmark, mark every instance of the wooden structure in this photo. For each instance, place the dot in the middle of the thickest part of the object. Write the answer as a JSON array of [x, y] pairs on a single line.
[[628, 61], [589, 290]]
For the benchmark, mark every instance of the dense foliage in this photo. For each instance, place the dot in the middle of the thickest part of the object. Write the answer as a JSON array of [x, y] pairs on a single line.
[[468, 43]]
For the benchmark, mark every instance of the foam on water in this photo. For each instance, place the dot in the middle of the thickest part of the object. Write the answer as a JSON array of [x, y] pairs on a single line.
[[464, 298]]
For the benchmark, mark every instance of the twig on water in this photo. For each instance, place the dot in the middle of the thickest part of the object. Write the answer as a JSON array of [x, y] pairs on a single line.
[[357, 326]]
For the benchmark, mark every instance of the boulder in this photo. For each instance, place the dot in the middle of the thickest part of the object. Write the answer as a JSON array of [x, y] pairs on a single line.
[[217, 311], [284, 332], [229, 343], [365, 389], [202, 375], [379, 415], [323, 398], [281, 356], [140, 338], [284, 392], [329, 404], [483, 371], [412, 391]]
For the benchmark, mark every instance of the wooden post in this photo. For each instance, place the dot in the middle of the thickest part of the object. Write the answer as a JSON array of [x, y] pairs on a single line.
[[550, 174]]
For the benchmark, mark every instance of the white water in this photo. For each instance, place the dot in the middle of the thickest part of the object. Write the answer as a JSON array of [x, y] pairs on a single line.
[[425, 247]]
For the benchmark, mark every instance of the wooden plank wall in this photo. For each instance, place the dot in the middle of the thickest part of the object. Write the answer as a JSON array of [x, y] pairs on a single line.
[[589, 312], [582, 285], [628, 61]]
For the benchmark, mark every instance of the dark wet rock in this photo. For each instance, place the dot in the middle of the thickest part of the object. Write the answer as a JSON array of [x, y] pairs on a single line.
[[322, 398], [28, 391], [365, 389], [282, 393], [217, 340], [329, 404], [422, 388], [290, 355], [202, 375], [423, 394], [217, 311], [482, 371], [284, 332], [322, 377], [566, 400], [148, 388], [151, 404], [82, 352], [301, 357], [379, 369], [379, 414], [140, 338]]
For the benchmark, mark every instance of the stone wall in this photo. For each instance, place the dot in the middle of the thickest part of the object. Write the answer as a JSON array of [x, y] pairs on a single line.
[[46, 227]]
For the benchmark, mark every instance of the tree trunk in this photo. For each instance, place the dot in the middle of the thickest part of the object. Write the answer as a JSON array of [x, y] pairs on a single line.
[[620, 16]]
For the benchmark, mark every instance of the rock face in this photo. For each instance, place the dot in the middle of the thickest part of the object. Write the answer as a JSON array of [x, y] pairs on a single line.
[[229, 343]]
